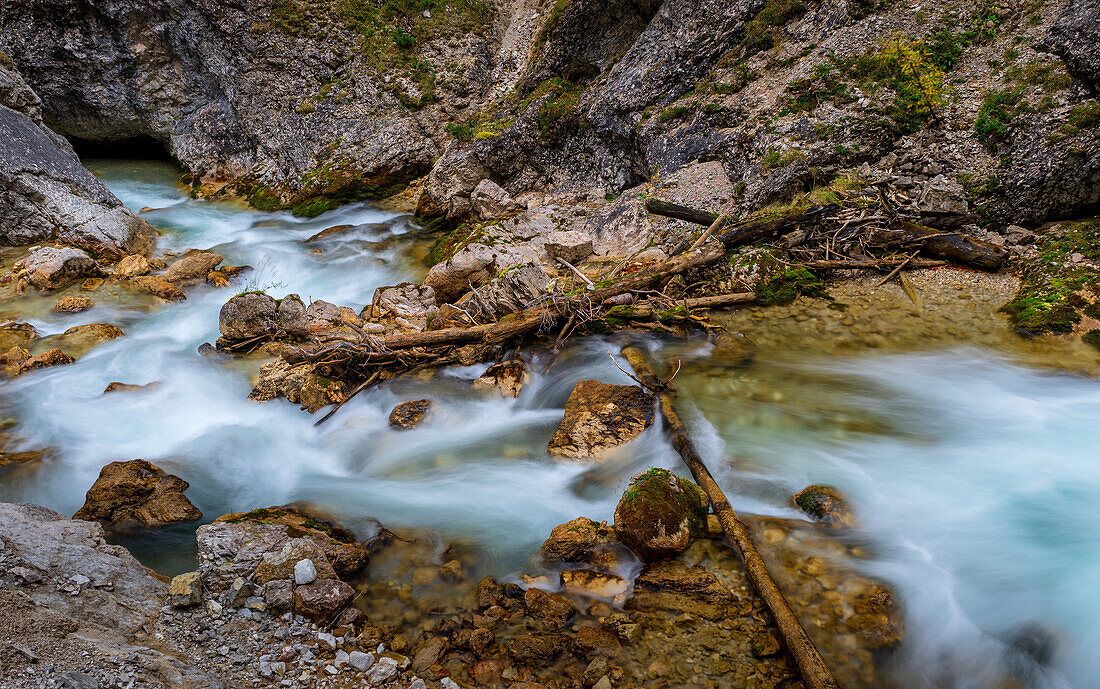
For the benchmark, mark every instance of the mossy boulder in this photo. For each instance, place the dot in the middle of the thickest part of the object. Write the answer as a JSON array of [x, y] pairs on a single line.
[[823, 503], [659, 514], [347, 555]]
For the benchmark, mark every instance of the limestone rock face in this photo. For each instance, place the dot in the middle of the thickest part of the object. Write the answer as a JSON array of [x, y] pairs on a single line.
[[347, 555], [489, 201], [52, 267], [600, 417], [1074, 37], [137, 492], [45, 193], [659, 514]]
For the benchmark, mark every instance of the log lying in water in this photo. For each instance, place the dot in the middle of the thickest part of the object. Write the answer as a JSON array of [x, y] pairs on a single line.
[[896, 233], [811, 666], [713, 302]]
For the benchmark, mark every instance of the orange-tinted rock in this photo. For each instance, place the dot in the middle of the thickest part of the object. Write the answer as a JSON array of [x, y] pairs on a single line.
[[52, 357], [193, 266], [824, 504], [507, 378], [408, 415], [73, 304], [676, 586], [548, 608], [159, 287], [599, 417], [137, 491]]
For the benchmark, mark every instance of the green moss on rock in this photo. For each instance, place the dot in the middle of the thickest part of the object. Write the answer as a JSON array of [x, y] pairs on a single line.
[[659, 514]]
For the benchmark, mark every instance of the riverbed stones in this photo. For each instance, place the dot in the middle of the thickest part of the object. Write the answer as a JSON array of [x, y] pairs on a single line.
[[582, 540], [678, 587], [659, 514], [73, 304], [192, 267], [185, 590], [505, 377], [824, 504], [158, 287], [54, 267], [322, 600], [550, 609], [132, 266], [409, 415], [600, 417], [137, 492], [51, 357], [347, 555]]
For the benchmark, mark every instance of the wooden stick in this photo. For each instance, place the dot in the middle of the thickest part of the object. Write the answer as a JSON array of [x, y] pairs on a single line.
[[573, 268], [362, 386], [896, 270], [712, 302], [878, 264], [811, 666], [708, 232]]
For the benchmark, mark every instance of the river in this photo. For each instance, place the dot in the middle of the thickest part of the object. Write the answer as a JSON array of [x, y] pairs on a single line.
[[971, 461]]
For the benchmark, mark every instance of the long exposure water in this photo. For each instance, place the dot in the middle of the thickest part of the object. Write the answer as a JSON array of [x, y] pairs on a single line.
[[974, 476]]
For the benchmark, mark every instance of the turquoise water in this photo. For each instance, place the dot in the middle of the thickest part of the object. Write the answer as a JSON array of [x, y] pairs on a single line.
[[974, 476]]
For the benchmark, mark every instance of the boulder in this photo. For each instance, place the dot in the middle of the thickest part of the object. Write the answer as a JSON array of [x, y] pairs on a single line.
[[1074, 37], [248, 315], [283, 563], [15, 333], [569, 245], [192, 267], [589, 584], [489, 201], [293, 322], [472, 266], [322, 600], [681, 588], [137, 492], [52, 357], [582, 541], [132, 266], [79, 339], [942, 197], [12, 361], [823, 503], [53, 267], [512, 290], [600, 417], [347, 555], [280, 379], [506, 377], [409, 414], [407, 300], [185, 590], [73, 304], [659, 514], [453, 179], [158, 287]]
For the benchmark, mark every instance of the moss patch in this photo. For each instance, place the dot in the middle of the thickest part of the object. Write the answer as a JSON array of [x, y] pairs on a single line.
[[787, 286]]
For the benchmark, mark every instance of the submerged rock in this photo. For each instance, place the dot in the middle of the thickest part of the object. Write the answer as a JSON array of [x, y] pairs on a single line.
[[506, 377], [679, 587], [408, 415], [158, 287], [52, 267], [137, 492], [52, 357], [73, 304], [16, 333], [599, 417], [582, 541], [659, 514]]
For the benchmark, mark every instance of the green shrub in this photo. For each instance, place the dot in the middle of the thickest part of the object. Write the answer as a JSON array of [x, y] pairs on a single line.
[[674, 112], [761, 29], [996, 114]]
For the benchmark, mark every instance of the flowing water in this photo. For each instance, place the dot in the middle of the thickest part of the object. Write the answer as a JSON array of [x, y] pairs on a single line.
[[973, 470]]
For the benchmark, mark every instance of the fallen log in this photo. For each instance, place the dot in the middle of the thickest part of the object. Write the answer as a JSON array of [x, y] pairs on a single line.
[[878, 264], [678, 212], [811, 666], [644, 311]]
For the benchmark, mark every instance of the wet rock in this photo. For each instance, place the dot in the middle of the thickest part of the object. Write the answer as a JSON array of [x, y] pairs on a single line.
[[486, 673], [192, 267], [538, 649], [81, 338], [765, 646], [429, 653], [137, 491], [596, 642], [548, 608], [12, 360], [583, 541], [52, 267], [16, 333], [344, 551], [322, 600], [678, 587], [158, 287], [488, 593], [320, 391], [506, 377], [73, 304], [408, 415], [599, 417], [280, 379], [52, 357], [568, 245], [117, 386], [217, 278], [489, 201], [248, 315], [824, 504], [451, 571], [185, 590], [92, 284], [659, 514], [589, 584], [132, 266]]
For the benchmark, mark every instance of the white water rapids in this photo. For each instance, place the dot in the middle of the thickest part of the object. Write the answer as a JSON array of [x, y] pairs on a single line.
[[974, 477]]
